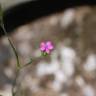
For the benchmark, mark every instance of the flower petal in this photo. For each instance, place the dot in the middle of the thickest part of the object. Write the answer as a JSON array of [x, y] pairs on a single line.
[[48, 43], [50, 47], [47, 50], [42, 44], [42, 48]]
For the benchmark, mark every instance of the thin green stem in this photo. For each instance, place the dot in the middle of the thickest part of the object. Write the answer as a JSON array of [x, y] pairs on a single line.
[[12, 45], [27, 63], [16, 55], [18, 65], [17, 59], [15, 81]]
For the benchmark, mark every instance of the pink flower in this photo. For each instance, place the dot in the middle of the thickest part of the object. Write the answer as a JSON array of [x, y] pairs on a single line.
[[46, 47]]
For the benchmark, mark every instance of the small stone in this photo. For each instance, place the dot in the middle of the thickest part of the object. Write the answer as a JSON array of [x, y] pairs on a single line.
[[68, 17], [88, 91]]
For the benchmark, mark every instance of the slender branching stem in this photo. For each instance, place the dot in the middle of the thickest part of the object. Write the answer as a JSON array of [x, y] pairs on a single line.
[[14, 84], [18, 65]]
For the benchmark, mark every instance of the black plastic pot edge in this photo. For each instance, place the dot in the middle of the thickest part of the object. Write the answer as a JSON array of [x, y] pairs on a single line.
[[30, 11]]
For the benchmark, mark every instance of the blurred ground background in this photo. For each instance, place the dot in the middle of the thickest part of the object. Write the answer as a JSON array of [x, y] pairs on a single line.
[[70, 70]]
